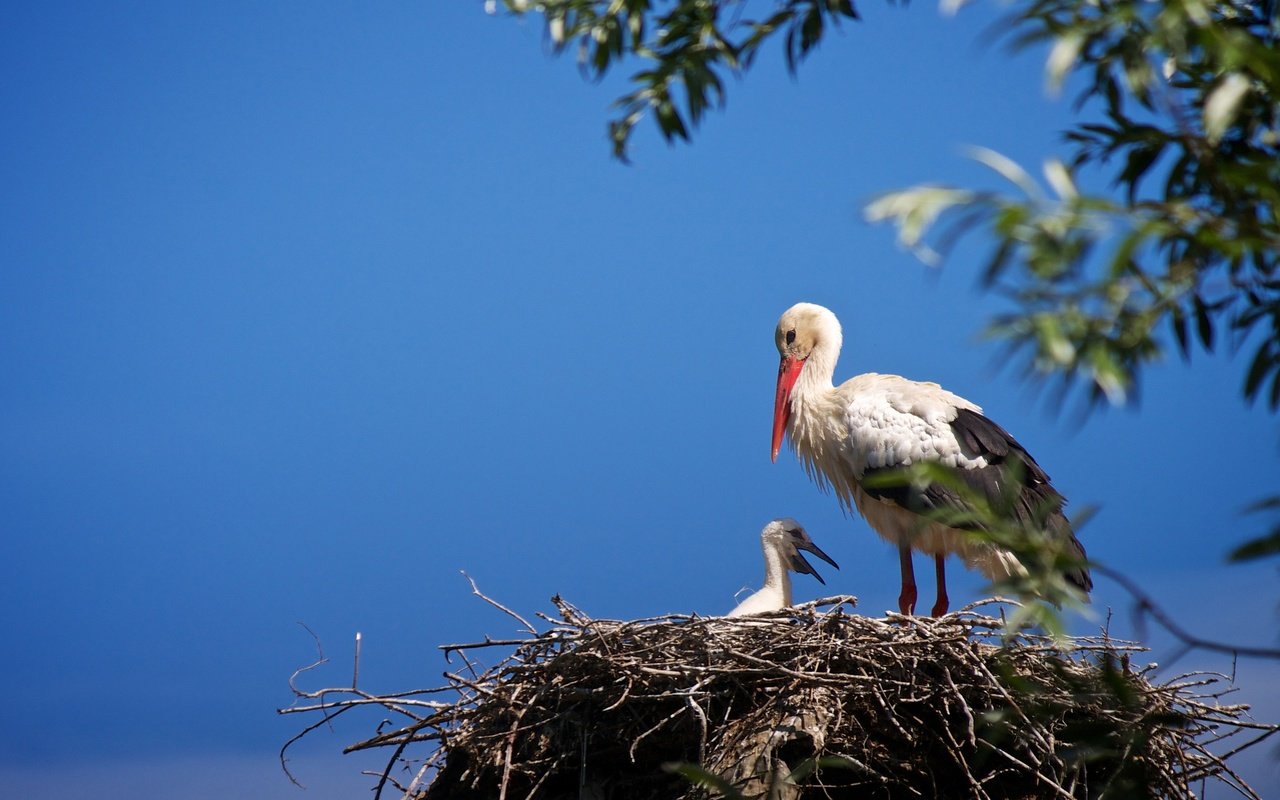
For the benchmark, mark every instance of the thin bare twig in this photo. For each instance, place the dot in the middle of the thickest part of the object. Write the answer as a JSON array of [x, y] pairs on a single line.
[[355, 669], [476, 591], [1145, 604], [298, 693]]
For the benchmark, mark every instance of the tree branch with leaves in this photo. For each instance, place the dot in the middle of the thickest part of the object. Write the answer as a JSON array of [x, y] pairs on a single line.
[[686, 48]]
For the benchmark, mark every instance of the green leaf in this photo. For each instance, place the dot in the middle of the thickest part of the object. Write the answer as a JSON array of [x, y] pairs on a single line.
[[1062, 57], [1265, 504], [1139, 161], [811, 30], [1059, 177], [1204, 325], [1222, 105], [701, 777], [1178, 321], [1261, 547], [1053, 342], [999, 261], [914, 211], [1006, 167], [1263, 362]]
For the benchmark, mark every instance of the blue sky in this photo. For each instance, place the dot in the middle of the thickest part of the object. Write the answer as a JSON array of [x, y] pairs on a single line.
[[305, 308]]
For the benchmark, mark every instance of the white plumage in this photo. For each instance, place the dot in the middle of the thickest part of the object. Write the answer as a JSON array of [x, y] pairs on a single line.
[[782, 540], [883, 422]]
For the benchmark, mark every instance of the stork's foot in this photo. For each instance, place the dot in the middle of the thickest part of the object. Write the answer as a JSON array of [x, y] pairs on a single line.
[[940, 607], [907, 601]]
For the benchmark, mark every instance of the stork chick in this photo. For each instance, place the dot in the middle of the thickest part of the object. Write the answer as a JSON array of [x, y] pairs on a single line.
[[875, 423], [782, 541]]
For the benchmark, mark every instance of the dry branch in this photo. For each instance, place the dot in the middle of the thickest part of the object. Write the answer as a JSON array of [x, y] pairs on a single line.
[[805, 703]]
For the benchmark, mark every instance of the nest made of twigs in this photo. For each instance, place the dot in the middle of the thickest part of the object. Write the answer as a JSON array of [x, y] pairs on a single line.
[[806, 703]]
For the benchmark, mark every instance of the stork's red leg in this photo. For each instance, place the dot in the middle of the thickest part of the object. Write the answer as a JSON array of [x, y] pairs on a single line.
[[907, 599], [940, 569]]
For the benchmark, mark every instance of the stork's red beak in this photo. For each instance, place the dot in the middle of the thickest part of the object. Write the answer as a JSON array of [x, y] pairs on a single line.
[[788, 371]]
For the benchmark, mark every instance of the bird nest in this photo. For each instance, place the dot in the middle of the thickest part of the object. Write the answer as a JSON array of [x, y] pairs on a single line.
[[813, 701]]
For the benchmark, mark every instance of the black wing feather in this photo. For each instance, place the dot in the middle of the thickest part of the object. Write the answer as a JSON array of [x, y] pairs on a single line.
[[1011, 479]]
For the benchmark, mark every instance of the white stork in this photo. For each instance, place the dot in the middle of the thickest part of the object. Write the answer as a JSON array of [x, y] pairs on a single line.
[[876, 423], [782, 541]]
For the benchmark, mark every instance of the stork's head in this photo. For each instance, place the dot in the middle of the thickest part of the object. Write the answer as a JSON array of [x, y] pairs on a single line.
[[802, 330], [788, 537]]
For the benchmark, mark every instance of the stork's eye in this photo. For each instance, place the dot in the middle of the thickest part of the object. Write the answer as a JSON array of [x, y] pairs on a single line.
[[791, 336]]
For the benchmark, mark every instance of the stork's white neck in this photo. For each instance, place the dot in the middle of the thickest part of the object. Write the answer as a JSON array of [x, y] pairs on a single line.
[[817, 426], [777, 578], [776, 592], [814, 381]]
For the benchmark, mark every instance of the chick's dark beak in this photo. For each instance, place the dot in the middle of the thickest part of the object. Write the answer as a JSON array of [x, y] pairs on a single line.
[[800, 564]]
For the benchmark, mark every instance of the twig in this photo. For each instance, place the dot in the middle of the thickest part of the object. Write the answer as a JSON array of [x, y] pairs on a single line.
[[320, 659], [298, 693], [355, 670], [476, 591], [1146, 605], [511, 743], [284, 761]]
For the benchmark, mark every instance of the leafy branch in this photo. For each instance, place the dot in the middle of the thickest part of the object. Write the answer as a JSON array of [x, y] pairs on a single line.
[[1104, 284], [687, 48]]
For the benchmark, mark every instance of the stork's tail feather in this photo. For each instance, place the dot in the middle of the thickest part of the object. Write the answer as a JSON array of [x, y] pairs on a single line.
[[1078, 574]]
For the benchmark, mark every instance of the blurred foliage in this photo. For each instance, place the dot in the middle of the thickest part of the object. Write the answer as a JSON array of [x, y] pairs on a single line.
[[696, 775], [687, 47], [1269, 543], [1184, 247]]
